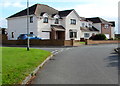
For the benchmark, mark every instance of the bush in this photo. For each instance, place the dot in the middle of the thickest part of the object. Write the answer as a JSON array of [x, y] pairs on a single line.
[[98, 37]]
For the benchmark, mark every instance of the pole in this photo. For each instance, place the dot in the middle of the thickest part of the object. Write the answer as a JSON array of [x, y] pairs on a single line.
[[28, 44]]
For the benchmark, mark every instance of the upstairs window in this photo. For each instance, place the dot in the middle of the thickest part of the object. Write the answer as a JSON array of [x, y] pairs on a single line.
[[56, 21], [45, 20], [73, 21], [83, 25], [90, 25], [31, 19], [106, 26]]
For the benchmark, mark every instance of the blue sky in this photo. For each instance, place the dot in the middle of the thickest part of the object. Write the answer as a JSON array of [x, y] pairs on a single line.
[[107, 9]]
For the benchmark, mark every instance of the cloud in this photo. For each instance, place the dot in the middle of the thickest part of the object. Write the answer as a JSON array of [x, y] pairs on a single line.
[[12, 4], [3, 22]]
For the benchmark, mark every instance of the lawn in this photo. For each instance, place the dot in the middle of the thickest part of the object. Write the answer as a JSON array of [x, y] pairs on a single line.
[[82, 42], [17, 63]]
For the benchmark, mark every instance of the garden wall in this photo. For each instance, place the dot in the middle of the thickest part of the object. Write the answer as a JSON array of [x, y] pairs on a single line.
[[39, 42], [101, 41]]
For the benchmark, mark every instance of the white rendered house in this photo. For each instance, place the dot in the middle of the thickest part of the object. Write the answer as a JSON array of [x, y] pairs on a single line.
[[49, 23], [45, 22]]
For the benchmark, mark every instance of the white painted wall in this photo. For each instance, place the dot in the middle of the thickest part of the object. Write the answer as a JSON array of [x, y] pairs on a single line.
[[69, 26], [18, 25], [98, 26], [82, 34], [112, 32], [107, 36], [85, 23]]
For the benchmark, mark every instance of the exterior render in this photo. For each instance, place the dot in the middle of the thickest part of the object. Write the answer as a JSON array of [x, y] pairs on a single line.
[[49, 23]]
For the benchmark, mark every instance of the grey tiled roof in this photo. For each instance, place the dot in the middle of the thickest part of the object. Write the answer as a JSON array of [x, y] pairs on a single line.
[[37, 9], [113, 23], [97, 20], [57, 27], [89, 28], [40, 9], [65, 12]]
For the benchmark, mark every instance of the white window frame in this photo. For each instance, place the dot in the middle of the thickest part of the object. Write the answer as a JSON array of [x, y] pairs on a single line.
[[31, 19], [106, 26], [73, 21], [86, 35]]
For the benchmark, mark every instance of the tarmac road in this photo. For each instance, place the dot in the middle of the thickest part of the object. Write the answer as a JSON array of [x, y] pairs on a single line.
[[96, 64]]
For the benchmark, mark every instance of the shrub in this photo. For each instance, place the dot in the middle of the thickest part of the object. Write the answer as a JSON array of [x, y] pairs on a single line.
[[98, 37]]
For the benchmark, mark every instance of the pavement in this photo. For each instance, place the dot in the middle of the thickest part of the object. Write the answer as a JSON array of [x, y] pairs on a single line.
[[95, 64]]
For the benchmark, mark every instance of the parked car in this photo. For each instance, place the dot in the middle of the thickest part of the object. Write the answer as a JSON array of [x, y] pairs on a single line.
[[26, 36]]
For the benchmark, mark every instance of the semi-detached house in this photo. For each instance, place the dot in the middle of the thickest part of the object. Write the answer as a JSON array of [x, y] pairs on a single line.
[[49, 23]]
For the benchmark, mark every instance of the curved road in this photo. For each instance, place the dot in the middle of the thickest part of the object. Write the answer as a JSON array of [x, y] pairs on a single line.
[[96, 64]]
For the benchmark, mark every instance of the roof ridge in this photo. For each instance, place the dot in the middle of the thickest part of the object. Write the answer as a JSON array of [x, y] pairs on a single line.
[[67, 10]]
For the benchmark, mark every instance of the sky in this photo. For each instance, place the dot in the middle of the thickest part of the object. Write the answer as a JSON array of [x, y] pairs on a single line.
[[106, 9]]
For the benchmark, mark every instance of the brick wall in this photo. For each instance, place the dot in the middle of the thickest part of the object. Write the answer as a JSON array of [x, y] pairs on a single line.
[[106, 30], [40, 42], [101, 41]]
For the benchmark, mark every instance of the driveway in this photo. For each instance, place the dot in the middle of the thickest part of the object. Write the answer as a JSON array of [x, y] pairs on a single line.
[[96, 64]]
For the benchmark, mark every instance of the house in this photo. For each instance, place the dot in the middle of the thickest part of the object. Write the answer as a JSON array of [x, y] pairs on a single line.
[[87, 28], [103, 26], [45, 22], [49, 23]]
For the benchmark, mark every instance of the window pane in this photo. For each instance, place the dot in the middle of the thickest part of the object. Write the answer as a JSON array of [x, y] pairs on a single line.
[[56, 21], [31, 19], [73, 21], [86, 34], [45, 20], [71, 34], [75, 34]]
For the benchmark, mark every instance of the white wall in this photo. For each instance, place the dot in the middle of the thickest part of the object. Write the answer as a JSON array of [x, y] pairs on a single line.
[[98, 26], [82, 34], [85, 23], [45, 27], [69, 26], [112, 32], [18, 25]]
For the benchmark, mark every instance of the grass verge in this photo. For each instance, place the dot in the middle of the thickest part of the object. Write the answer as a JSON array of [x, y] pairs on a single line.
[[17, 63], [82, 42]]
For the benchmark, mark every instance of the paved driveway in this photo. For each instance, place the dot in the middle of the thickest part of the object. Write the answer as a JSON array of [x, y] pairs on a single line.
[[81, 65]]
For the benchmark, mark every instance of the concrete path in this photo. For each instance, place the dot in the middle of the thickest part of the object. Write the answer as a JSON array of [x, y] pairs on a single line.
[[96, 64]]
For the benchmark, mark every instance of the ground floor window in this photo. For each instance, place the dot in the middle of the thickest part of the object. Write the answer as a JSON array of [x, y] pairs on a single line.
[[73, 34], [12, 34], [31, 32], [86, 34]]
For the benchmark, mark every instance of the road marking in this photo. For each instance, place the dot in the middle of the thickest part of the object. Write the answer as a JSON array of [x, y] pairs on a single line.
[[61, 50]]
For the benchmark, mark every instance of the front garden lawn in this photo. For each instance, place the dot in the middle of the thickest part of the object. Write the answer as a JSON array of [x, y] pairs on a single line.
[[17, 63], [82, 42]]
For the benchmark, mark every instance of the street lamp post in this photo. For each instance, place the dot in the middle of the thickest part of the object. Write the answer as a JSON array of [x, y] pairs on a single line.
[[28, 44]]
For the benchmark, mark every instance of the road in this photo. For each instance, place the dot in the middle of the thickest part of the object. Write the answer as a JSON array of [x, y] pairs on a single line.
[[96, 64]]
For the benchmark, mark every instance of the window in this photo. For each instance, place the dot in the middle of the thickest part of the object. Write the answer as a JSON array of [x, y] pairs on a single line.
[[12, 34], [45, 20], [83, 25], [73, 34], [31, 19], [31, 32], [56, 21], [90, 25], [73, 21], [86, 34], [106, 26]]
